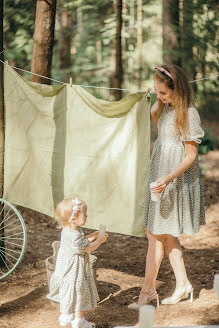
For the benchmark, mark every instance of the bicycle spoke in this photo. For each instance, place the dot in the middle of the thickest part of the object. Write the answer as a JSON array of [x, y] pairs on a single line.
[[2, 208], [8, 254], [9, 242], [7, 225], [8, 260], [15, 234], [8, 249], [4, 261], [7, 214], [6, 219], [12, 238]]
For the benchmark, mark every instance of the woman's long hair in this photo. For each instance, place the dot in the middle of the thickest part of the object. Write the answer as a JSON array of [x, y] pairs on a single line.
[[182, 94]]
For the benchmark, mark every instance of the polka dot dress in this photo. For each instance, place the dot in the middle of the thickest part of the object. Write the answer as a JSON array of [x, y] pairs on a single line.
[[72, 283], [181, 207]]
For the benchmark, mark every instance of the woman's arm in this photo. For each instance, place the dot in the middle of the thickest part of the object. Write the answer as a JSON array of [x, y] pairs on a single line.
[[191, 148], [153, 111]]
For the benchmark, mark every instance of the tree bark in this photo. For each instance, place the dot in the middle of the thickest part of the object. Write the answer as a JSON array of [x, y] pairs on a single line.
[[171, 32], [1, 102], [117, 78], [64, 35], [2, 134], [139, 42], [187, 39], [43, 40], [99, 52]]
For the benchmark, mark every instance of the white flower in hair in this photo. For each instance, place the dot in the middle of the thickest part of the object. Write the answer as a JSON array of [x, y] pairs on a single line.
[[75, 208]]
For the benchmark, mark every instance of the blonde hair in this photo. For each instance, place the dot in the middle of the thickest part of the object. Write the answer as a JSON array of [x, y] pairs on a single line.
[[64, 211], [182, 94]]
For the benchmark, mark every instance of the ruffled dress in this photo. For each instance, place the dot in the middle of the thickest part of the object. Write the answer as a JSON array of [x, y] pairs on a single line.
[[72, 283], [181, 208]]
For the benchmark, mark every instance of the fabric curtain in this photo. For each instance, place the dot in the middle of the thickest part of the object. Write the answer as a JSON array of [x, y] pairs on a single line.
[[60, 141]]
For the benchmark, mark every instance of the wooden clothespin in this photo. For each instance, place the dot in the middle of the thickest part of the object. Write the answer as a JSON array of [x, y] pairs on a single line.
[[6, 63], [70, 81], [147, 92]]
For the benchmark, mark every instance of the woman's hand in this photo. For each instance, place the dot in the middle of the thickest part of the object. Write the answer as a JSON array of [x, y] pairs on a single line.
[[162, 183]]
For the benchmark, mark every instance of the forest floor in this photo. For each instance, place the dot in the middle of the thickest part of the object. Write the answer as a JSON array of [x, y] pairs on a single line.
[[120, 272]]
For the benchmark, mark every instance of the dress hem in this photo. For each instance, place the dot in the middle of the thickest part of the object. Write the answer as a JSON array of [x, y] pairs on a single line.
[[178, 235]]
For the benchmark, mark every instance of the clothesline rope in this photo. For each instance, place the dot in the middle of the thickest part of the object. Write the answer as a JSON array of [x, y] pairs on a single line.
[[92, 86]]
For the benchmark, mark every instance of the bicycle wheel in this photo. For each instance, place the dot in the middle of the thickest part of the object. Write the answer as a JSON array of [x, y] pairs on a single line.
[[13, 238]]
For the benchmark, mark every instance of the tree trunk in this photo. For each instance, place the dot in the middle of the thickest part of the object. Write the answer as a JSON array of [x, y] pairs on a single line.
[[43, 40], [118, 75], [171, 32], [139, 42], [1, 130], [187, 39], [99, 52], [132, 15], [64, 35]]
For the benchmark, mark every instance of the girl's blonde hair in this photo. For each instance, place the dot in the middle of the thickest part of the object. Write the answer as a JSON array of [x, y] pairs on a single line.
[[64, 211], [182, 93]]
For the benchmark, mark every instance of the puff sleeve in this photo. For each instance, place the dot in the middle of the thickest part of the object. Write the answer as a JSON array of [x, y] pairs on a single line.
[[195, 131], [80, 245]]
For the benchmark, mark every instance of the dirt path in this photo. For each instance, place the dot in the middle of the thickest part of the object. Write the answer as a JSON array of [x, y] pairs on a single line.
[[120, 270]]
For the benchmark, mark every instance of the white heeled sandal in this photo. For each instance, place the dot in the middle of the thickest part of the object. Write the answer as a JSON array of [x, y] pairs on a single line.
[[180, 293], [144, 299]]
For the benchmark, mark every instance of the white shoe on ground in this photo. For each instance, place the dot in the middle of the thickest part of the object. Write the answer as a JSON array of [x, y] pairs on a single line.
[[66, 319], [82, 323]]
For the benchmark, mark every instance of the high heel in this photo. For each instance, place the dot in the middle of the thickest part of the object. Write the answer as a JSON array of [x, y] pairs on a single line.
[[144, 299], [180, 293]]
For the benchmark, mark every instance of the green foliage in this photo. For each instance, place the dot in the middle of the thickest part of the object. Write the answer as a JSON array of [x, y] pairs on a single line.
[[209, 142], [19, 18], [206, 51], [98, 27]]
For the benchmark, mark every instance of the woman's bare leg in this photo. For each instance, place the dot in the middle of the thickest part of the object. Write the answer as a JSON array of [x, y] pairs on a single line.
[[153, 260], [175, 255]]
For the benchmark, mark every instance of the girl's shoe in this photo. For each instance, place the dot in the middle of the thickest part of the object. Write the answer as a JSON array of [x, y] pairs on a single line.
[[66, 319], [180, 293], [82, 323], [144, 299]]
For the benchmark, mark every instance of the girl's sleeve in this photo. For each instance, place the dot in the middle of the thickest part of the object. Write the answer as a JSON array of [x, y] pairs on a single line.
[[195, 132], [80, 245]]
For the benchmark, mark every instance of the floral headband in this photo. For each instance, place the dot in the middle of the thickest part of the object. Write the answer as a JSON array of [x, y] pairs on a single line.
[[75, 208], [163, 70]]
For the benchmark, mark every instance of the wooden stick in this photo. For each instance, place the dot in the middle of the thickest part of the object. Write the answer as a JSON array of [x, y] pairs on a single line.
[[70, 81]]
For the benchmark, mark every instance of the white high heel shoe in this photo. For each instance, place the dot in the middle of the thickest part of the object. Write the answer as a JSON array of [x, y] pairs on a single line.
[[180, 293], [144, 299]]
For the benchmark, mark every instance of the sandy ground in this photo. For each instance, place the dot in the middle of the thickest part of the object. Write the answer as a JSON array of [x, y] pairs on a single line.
[[120, 272]]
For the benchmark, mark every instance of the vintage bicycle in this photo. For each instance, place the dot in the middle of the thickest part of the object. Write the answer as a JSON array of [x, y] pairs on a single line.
[[13, 238]]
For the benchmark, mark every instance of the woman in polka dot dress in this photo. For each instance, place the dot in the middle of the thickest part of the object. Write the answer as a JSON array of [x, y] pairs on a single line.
[[72, 283], [175, 169]]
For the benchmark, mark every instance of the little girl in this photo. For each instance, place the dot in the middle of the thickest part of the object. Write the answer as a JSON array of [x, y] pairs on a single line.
[[72, 283]]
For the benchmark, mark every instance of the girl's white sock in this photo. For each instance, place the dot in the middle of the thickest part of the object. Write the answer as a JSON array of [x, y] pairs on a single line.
[[79, 320], [65, 319]]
